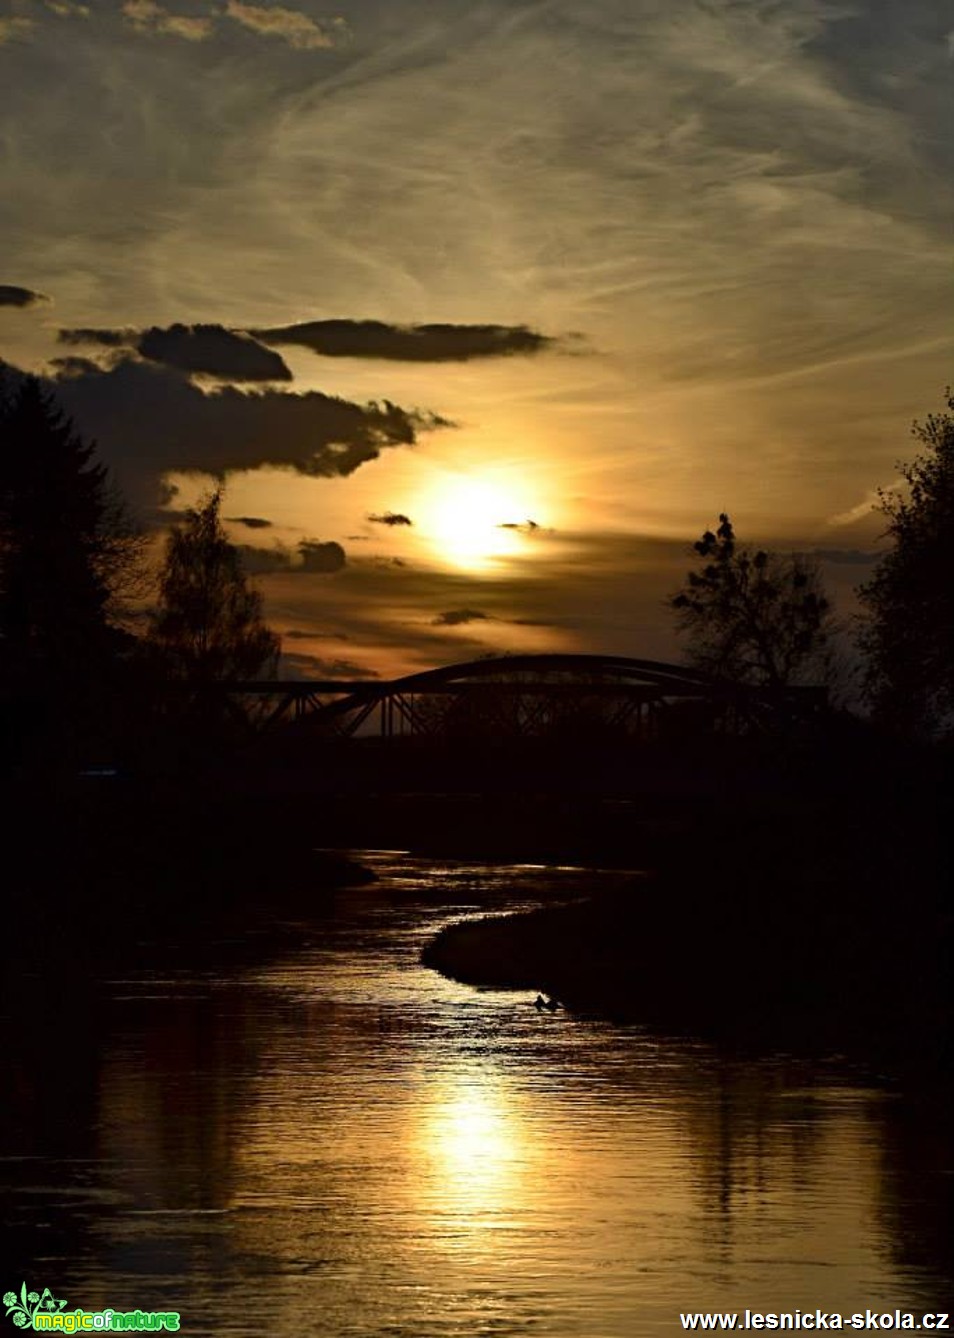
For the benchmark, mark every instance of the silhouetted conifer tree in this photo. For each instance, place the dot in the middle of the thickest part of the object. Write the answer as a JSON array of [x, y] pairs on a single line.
[[909, 634], [62, 540], [208, 625], [66, 550], [753, 616]]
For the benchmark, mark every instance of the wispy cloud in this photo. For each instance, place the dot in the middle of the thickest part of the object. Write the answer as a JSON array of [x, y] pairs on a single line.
[[866, 509], [288, 25], [147, 16], [68, 9], [14, 26]]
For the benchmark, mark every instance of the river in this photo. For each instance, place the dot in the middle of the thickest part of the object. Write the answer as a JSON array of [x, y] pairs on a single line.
[[328, 1138]]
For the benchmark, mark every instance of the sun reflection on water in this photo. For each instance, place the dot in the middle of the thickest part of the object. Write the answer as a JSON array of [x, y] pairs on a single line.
[[474, 1149]]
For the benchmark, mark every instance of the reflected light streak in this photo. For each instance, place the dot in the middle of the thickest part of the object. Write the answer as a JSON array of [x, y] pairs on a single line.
[[474, 1148]]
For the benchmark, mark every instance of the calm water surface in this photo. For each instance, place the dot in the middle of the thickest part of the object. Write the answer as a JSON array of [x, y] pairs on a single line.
[[339, 1141]]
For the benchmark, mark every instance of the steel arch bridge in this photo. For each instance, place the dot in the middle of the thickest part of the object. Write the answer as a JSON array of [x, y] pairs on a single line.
[[525, 696]]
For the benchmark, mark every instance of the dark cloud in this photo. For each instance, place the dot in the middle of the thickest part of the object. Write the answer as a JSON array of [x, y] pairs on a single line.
[[75, 366], [250, 522], [312, 556], [327, 557], [407, 343], [126, 338], [454, 617], [263, 561], [12, 296], [391, 518], [202, 349], [150, 420], [294, 664]]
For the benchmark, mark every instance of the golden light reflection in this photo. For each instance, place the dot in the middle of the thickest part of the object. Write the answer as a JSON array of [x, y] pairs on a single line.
[[475, 1148]]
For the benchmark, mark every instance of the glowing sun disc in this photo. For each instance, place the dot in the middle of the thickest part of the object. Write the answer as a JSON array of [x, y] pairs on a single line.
[[473, 522]]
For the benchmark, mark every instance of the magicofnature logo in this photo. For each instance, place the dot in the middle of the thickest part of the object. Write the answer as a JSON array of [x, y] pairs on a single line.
[[24, 1308], [42, 1310]]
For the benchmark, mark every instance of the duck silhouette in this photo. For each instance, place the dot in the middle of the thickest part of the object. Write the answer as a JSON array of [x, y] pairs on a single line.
[[541, 1004]]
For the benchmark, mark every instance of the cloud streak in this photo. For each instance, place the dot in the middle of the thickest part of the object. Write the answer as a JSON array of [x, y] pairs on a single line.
[[12, 27], [408, 343], [251, 522], [147, 16], [13, 296], [457, 617], [290, 26], [286, 25], [391, 519]]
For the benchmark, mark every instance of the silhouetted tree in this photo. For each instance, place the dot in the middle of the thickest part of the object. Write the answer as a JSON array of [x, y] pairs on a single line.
[[753, 616], [67, 550], [909, 632], [68, 556], [208, 625]]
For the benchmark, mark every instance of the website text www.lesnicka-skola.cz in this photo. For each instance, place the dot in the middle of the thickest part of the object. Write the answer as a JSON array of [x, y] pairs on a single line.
[[926, 1322]]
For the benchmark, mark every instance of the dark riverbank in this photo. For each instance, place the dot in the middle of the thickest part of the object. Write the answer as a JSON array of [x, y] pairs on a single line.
[[103, 870], [793, 894], [794, 927]]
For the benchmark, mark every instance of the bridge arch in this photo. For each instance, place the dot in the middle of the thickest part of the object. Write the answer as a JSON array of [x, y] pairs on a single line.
[[532, 695]]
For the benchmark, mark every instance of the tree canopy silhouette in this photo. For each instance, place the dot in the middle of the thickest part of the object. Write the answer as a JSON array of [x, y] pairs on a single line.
[[909, 632], [208, 625], [753, 616], [67, 549]]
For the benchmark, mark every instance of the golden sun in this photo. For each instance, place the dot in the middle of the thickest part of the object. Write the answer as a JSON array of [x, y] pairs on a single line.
[[474, 522]]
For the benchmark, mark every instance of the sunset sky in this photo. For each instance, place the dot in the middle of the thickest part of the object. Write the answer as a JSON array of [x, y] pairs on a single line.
[[673, 257]]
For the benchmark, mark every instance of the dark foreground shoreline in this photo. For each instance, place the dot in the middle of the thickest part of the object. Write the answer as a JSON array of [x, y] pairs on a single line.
[[778, 931], [805, 903]]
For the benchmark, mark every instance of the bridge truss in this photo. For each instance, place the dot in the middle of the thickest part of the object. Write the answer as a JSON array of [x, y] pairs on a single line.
[[525, 696]]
